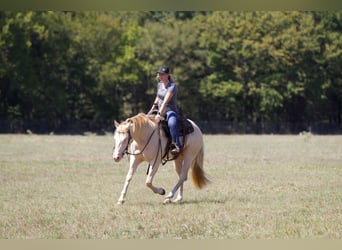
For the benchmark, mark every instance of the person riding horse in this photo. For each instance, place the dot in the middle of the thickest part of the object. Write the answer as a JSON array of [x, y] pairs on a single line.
[[165, 103]]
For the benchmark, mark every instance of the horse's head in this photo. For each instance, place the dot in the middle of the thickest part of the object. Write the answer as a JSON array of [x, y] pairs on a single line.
[[121, 139], [135, 128]]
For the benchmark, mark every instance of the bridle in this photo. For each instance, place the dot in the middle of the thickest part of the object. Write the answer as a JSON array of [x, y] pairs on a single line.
[[143, 149]]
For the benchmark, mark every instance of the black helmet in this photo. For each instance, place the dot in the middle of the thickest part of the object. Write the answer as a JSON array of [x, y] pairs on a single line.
[[164, 70]]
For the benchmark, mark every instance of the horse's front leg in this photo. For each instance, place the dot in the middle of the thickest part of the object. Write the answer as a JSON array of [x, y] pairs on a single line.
[[152, 170], [132, 168]]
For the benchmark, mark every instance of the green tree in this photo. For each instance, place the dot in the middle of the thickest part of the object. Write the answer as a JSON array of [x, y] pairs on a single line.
[[79, 70]]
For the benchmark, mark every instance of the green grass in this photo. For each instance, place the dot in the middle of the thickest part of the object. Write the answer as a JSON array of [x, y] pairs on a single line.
[[264, 187]]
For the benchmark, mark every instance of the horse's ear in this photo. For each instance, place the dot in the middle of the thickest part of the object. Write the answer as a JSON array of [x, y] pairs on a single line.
[[116, 124]]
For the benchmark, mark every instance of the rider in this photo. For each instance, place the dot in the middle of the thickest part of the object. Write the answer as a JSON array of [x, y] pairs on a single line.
[[166, 100]]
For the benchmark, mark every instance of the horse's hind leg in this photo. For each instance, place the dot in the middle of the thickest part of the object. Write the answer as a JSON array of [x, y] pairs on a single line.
[[183, 176], [178, 167], [180, 194]]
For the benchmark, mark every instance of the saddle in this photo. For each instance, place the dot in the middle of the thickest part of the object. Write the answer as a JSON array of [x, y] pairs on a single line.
[[184, 127]]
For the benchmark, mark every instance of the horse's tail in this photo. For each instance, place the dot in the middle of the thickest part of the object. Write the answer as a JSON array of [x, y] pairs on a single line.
[[199, 178]]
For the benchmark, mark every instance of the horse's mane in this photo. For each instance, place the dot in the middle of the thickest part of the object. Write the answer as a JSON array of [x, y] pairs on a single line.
[[139, 121]]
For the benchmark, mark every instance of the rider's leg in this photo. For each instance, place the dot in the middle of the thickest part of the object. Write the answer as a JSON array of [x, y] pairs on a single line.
[[172, 123]]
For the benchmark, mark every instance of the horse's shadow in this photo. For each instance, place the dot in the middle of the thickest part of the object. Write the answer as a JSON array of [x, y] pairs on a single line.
[[200, 201], [186, 202]]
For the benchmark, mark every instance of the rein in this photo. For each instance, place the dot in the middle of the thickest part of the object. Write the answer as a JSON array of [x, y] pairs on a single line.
[[139, 153], [148, 141]]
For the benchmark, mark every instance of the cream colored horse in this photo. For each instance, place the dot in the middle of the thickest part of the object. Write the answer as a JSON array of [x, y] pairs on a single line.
[[143, 140]]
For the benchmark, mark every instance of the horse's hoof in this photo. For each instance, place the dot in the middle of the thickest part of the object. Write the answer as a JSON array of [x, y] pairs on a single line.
[[167, 201], [120, 202], [178, 200], [163, 192]]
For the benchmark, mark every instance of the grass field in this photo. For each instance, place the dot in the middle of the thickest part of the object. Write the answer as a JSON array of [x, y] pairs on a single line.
[[54, 187]]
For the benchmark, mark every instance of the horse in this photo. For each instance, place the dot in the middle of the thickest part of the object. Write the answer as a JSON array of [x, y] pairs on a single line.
[[143, 139]]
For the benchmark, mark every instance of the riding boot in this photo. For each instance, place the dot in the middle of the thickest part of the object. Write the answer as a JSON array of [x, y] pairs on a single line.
[[175, 150]]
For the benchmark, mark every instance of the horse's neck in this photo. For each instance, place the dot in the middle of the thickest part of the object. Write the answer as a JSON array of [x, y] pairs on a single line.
[[142, 135]]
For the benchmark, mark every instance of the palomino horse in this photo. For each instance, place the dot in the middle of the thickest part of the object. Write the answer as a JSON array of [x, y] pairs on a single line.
[[144, 140]]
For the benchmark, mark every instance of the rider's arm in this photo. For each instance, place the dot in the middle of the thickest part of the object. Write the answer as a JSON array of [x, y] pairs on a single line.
[[156, 100], [167, 98], [154, 105]]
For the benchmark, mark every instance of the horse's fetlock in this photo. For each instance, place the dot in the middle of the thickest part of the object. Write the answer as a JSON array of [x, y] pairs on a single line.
[[170, 195]]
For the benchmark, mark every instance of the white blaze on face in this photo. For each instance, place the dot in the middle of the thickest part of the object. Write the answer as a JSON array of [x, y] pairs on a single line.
[[120, 145]]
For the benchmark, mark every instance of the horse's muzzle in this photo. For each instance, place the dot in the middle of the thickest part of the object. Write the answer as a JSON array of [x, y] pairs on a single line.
[[116, 158]]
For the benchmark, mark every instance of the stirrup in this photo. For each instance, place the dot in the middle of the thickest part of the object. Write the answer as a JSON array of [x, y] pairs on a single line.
[[175, 150]]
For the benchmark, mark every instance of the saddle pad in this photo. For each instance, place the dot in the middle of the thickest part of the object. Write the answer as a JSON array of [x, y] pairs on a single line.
[[184, 127]]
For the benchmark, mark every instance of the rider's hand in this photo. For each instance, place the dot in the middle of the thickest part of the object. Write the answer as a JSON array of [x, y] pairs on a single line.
[[153, 110], [158, 118]]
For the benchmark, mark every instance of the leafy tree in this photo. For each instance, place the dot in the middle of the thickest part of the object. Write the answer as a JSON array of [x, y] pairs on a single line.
[[79, 70]]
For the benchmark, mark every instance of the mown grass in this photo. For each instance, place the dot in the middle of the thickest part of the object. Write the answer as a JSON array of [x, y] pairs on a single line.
[[264, 187]]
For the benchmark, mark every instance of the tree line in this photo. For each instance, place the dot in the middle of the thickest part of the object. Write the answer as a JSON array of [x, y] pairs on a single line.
[[247, 71]]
